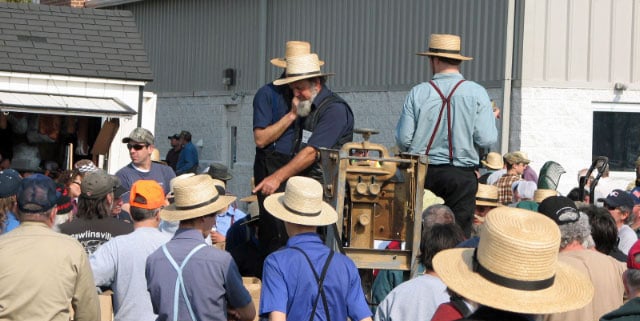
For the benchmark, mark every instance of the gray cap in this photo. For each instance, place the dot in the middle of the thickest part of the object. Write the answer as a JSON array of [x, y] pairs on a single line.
[[139, 135], [97, 184]]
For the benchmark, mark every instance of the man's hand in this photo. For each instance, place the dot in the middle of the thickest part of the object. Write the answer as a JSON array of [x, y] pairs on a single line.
[[217, 237], [269, 185]]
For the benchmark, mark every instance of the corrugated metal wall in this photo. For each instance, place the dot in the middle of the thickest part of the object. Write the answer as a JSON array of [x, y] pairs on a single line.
[[191, 42], [369, 44], [575, 42]]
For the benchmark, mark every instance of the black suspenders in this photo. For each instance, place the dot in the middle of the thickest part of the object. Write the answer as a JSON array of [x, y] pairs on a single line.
[[320, 280]]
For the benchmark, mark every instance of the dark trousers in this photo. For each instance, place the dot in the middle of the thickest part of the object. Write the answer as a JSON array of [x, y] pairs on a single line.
[[458, 187], [271, 232]]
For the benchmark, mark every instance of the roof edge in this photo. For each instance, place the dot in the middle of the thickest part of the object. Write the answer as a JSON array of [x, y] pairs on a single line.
[[107, 3]]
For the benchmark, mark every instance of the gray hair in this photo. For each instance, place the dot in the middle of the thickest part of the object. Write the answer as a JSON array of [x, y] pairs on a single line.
[[632, 279], [579, 231], [629, 211], [437, 214]]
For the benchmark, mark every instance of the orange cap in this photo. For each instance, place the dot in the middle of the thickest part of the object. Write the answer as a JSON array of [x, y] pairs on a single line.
[[147, 194]]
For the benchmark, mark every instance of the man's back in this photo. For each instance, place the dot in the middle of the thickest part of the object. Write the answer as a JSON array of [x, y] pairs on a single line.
[[120, 264], [606, 275], [289, 285], [42, 273], [210, 279]]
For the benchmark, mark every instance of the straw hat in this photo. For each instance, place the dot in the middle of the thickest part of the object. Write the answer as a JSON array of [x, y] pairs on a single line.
[[301, 67], [515, 267], [542, 193], [301, 203], [293, 48], [447, 46], [250, 199], [194, 196], [493, 161], [487, 195]]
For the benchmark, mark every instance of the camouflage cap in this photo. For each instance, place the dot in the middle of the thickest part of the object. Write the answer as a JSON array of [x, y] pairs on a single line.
[[139, 135]]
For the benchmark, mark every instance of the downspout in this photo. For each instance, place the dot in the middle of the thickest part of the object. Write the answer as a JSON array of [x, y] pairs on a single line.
[[140, 100], [508, 71], [262, 51]]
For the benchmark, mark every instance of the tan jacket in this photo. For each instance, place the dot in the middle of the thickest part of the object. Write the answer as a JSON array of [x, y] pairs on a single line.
[[42, 274], [605, 273]]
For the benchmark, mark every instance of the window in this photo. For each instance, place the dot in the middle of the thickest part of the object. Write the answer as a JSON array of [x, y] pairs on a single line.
[[616, 134]]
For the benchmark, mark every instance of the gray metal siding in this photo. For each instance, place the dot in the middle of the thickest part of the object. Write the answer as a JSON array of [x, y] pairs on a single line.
[[191, 42], [369, 44]]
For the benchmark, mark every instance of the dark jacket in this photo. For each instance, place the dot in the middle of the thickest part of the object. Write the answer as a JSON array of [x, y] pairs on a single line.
[[630, 311]]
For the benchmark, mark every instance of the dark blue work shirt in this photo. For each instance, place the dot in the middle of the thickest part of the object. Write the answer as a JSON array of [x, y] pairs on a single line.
[[333, 122], [211, 279], [289, 285], [269, 106]]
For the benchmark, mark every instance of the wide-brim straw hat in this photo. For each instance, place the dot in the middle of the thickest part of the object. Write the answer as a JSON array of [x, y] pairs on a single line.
[[250, 199], [301, 67], [541, 194], [516, 266], [301, 203], [493, 161], [194, 196], [447, 46], [487, 195], [293, 48]]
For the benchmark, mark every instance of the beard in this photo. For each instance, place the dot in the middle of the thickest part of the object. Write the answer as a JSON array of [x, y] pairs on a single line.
[[304, 107]]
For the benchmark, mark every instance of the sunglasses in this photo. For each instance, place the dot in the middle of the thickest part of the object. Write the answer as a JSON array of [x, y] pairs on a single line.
[[136, 147]]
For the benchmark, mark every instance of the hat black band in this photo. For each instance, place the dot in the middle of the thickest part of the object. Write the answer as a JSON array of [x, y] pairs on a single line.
[[436, 50], [495, 200], [301, 213], [190, 207], [509, 282], [304, 74]]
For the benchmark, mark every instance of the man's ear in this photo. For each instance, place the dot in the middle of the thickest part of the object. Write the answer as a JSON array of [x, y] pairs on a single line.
[[52, 216]]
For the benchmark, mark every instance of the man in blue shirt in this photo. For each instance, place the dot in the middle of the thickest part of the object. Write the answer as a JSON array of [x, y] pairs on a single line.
[[186, 279], [188, 159], [306, 280], [446, 118], [326, 120]]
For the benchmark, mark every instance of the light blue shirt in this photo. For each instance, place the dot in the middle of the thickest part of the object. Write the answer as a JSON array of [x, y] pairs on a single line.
[[120, 263], [473, 122], [224, 221]]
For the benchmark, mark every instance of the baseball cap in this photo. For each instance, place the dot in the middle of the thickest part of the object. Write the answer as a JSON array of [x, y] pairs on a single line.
[[147, 194], [37, 193], [560, 209], [139, 135], [517, 157], [97, 184], [633, 259], [9, 182], [618, 197], [175, 136]]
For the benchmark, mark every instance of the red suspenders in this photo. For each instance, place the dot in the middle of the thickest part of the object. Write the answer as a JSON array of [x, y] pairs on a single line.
[[446, 101]]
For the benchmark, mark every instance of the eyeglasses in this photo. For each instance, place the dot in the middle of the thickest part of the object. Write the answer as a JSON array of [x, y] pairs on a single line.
[[136, 147]]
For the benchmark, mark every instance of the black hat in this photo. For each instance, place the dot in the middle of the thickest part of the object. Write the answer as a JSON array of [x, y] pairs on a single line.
[[560, 209], [9, 182], [617, 198], [175, 136]]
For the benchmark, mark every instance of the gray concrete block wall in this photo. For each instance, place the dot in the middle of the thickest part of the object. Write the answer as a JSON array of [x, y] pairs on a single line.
[[210, 118]]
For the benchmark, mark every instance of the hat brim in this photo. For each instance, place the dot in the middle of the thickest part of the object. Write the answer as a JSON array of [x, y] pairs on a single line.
[[490, 166], [445, 55], [274, 205], [571, 289], [288, 80], [282, 62], [172, 214], [485, 203]]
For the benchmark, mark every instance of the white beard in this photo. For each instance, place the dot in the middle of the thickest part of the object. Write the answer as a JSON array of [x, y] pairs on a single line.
[[304, 108]]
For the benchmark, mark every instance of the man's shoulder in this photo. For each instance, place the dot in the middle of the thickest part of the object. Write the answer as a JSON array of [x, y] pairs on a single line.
[[126, 170]]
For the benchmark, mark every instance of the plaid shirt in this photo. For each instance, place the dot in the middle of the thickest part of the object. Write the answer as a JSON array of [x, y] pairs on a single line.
[[505, 193]]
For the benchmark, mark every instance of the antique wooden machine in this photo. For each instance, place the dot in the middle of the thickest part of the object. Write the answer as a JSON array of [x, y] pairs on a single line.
[[378, 198]]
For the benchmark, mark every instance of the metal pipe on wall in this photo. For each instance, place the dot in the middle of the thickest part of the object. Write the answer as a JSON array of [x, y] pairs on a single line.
[[508, 71]]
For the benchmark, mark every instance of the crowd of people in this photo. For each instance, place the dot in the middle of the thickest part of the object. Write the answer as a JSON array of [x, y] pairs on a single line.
[[172, 244]]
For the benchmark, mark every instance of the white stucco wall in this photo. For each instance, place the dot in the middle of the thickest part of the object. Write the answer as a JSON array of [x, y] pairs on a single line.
[[556, 124]]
